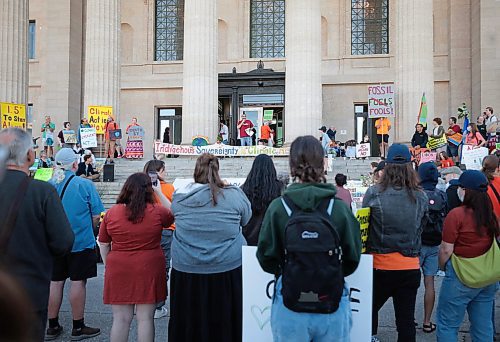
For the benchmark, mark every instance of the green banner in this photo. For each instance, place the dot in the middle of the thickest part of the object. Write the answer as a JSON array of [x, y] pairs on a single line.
[[268, 114]]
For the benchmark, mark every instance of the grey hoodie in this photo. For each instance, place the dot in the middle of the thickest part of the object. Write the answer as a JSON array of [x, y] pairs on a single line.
[[207, 238]]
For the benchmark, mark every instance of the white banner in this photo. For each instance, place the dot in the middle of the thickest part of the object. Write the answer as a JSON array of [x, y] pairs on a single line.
[[363, 150], [88, 137], [473, 157], [381, 100], [257, 305], [182, 182], [219, 150]]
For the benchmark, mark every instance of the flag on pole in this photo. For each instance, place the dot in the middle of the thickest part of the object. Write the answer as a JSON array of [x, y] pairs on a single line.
[[422, 113]]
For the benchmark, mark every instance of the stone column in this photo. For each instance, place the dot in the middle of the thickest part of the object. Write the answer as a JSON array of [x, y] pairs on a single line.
[[200, 87], [102, 55], [414, 65], [14, 51], [303, 89]]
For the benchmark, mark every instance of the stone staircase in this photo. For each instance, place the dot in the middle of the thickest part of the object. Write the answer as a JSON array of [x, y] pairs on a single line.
[[183, 167]]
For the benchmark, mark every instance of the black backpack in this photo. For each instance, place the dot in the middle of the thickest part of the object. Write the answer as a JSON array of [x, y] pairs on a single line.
[[438, 209], [312, 277]]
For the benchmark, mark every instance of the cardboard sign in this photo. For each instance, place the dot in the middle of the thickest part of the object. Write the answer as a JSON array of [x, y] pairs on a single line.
[[473, 157], [69, 137], [358, 191], [428, 157], [268, 114], [12, 115], [257, 304], [455, 139], [98, 116], [381, 100], [434, 143], [363, 150], [88, 137], [363, 217], [135, 133], [44, 174]]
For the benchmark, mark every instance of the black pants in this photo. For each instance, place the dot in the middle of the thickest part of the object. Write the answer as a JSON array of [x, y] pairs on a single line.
[[402, 286]]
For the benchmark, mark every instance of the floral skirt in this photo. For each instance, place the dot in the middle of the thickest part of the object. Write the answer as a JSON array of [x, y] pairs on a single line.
[[134, 150]]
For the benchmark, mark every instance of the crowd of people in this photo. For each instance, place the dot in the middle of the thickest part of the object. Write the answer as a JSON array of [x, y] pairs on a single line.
[[421, 222]]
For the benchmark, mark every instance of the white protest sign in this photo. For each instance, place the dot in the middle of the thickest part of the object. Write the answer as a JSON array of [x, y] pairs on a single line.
[[88, 137], [363, 150], [257, 304], [182, 182], [428, 157], [381, 100], [473, 157]]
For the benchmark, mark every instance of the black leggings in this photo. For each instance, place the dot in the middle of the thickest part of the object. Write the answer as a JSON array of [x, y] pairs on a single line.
[[402, 286]]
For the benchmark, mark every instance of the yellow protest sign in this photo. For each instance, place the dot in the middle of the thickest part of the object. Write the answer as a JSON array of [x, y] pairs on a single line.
[[363, 217], [13, 115], [44, 174], [98, 116], [437, 142]]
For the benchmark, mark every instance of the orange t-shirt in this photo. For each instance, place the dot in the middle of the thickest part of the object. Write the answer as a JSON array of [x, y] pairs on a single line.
[[108, 128], [385, 125], [395, 262], [447, 163], [496, 204], [168, 190], [265, 132]]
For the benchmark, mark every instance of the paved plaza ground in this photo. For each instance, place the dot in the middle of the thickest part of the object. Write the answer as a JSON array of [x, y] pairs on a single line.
[[99, 315]]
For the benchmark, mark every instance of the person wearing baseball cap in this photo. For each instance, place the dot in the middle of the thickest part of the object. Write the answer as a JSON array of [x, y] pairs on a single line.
[[398, 206], [469, 231], [83, 208]]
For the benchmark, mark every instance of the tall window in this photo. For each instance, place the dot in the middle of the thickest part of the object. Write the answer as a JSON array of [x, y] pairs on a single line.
[[370, 27], [31, 39], [267, 28], [169, 31]]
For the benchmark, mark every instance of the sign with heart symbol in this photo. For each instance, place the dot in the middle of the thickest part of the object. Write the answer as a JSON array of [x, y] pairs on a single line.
[[261, 316]]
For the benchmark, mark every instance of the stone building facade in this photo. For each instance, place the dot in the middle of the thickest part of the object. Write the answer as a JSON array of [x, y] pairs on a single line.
[[187, 64]]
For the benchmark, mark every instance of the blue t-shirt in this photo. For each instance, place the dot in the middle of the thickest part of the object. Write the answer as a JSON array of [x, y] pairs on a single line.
[[81, 202]]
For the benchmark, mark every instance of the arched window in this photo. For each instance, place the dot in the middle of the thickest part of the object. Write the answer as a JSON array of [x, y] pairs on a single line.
[[169, 30], [267, 28], [370, 27]]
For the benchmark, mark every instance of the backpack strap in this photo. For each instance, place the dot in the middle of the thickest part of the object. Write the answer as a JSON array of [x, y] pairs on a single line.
[[326, 205], [65, 186], [495, 191]]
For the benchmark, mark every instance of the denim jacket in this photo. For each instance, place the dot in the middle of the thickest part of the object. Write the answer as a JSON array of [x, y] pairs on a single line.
[[396, 221]]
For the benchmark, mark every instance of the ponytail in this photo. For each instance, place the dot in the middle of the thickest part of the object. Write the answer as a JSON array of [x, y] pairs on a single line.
[[206, 171]]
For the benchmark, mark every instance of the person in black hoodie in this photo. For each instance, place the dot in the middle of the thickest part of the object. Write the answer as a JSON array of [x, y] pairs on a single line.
[[420, 137], [431, 237]]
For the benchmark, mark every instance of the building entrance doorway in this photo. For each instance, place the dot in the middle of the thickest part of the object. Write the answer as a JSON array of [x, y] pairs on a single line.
[[169, 128], [365, 126]]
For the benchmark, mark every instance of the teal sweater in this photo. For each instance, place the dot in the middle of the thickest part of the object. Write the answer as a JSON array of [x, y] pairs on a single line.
[[270, 252]]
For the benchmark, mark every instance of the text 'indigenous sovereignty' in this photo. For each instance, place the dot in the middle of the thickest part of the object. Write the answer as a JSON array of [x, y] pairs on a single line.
[[219, 150]]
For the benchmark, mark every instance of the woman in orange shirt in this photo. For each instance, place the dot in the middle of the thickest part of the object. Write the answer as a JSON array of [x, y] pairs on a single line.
[[158, 167], [445, 161]]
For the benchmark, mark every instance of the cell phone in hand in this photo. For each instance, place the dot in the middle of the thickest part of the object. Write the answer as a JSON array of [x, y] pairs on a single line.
[[154, 178]]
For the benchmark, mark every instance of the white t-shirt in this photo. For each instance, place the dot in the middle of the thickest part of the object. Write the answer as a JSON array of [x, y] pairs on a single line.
[[490, 120], [224, 132]]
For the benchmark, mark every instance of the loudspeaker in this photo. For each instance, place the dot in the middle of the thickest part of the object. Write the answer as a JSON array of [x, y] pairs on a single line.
[[108, 173]]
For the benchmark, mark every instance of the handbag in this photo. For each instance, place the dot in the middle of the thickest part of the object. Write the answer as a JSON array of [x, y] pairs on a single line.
[[480, 271]]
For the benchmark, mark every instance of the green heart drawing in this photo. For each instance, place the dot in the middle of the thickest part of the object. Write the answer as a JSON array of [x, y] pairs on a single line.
[[259, 315]]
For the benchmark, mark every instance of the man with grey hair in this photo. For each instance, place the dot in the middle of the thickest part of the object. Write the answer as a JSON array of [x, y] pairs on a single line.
[[41, 233], [83, 207]]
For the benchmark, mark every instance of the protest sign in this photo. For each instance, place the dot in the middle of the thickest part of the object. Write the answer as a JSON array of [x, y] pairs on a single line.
[[44, 174], [268, 114], [98, 116], [219, 150], [363, 150], [381, 100], [12, 115], [434, 143], [428, 156], [258, 288], [135, 133], [455, 139], [88, 137], [69, 136], [357, 190], [363, 217], [473, 157]]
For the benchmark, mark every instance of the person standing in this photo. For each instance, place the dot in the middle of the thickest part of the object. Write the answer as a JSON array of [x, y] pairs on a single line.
[[491, 122], [474, 138], [48, 128], [309, 192], [39, 234], [84, 123], [166, 135], [83, 207], [437, 133], [135, 266], [60, 135], [452, 130], [420, 137], [395, 239], [383, 126], [224, 133], [469, 231], [431, 237], [332, 132], [342, 193], [245, 128], [325, 143], [491, 169], [206, 284], [266, 135], [135, 147], [110, 140], [481, 126]]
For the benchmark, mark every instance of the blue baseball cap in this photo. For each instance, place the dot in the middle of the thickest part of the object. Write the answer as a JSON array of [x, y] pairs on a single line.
[[473, 180], [398, 154]]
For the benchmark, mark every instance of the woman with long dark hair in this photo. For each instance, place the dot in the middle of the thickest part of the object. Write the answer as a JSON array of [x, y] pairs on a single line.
[[308, 193], [135, 265], [261, 187], [474, 138], [398, 207], [491, 169], [206, 284], [469, 231]]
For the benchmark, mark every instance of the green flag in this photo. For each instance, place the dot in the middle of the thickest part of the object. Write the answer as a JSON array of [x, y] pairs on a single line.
[[422, 114]]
